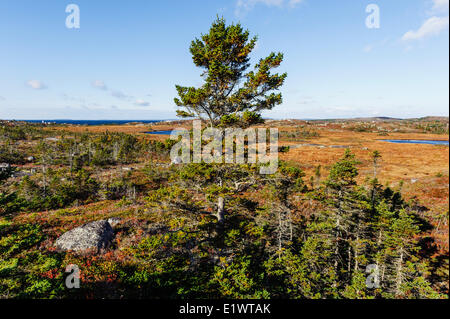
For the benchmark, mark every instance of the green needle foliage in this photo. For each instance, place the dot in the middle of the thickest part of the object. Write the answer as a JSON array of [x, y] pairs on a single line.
[[230, 94]]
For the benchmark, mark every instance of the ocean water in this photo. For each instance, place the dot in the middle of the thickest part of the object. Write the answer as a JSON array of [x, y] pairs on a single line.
[[94, 122], [433, 142]]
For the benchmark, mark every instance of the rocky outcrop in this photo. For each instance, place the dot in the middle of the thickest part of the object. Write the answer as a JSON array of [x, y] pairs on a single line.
[[95, 236], [176, 160], [114, 221]]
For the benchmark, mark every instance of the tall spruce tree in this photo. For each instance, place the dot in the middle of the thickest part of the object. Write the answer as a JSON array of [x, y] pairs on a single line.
[[230, 94]]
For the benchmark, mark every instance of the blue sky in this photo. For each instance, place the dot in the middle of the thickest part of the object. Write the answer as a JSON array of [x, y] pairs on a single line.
[[126, 57]]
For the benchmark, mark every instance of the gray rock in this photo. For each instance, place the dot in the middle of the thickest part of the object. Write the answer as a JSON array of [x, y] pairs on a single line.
[[51, 139], [4, 166], [95, 235], [177, 160], [113, 221]]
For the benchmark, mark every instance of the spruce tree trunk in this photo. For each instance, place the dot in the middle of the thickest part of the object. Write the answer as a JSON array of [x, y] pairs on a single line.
[[356, 253], [399, 279], [336, 249], [349, 263], [220, 210]]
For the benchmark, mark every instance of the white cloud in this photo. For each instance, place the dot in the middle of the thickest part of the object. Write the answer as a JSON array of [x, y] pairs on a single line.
[[368, 48], [99, 85], [252, 3], [432, 26], [247, 5], [67, 97], [440, 5], [37, 85], [372, 46], [340, 108], [293, 3], [120, 95], [140, 102]]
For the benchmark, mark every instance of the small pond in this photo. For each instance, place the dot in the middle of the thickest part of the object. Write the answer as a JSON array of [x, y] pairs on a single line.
[[433, 142], [160, 132]]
